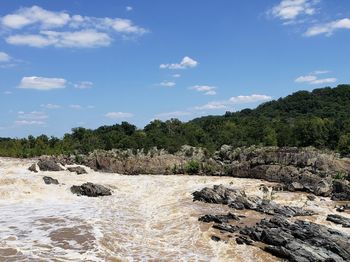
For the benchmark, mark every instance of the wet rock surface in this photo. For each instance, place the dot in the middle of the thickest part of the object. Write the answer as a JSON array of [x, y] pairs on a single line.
[[338, 219], [91, 190], [49, 180], [77, 169], [299, 241], [220, 219], [343, 208], [32, 168], [48, 164], [236, 199]]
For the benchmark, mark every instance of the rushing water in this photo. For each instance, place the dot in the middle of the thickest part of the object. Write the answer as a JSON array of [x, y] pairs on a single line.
[[148, 218]]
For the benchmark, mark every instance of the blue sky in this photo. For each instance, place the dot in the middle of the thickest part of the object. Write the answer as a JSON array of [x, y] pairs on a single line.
[[65, 64]]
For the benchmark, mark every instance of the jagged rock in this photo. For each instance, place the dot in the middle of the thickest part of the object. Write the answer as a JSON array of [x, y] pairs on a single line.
[[91, 190], [33, 168], [343, 208], [49, 180], [226, 228], [311, 197], [218, 218], [238, 200], [215, 238], [295, 186], [77, 169], [49, 165], [337, 219], [300, 241], [341, 190]]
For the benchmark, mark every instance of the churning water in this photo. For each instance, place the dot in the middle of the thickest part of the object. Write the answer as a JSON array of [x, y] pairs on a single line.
[[148, 218]]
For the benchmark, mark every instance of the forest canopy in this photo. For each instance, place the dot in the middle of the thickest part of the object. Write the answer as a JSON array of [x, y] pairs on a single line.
[[320, 118]]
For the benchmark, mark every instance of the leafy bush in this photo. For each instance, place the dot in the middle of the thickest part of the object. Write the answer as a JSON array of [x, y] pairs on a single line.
[[192, 167]]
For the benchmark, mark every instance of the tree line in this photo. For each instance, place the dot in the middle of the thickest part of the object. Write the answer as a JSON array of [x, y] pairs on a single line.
[[320, 118]]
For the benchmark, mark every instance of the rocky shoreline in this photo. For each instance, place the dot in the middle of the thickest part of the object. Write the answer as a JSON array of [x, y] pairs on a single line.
[[280, 229]]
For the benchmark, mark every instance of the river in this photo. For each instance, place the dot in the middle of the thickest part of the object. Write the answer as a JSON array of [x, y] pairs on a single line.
[[148, 218]]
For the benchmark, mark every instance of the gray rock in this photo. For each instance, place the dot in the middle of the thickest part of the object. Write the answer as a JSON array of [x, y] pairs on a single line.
[[49, 165], [49, 180], [337, 219], [91, 190], [32, 168], [220, 219], [77, 169]]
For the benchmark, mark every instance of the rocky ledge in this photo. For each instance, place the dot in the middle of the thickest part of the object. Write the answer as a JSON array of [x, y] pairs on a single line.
[[91, 190]]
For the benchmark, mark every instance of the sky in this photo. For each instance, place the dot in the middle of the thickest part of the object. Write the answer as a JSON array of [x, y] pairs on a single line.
[[71, 63]]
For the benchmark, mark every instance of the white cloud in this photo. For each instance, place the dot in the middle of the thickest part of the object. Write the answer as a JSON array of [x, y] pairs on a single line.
[[39, 28], [118, 115], [176, 75], [83, 85], [4, 57], [174, 114], [50, 106], [168, 84], [129, 8], [7, 93], [42, 83], [34, 115], [314, 80], [28, 122], [320, 72], [214, 105], [78, 107], [328, 28], [186, 62], [291, 9], [205, 89]]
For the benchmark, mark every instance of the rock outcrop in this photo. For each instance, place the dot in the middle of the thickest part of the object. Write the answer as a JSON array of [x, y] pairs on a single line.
[[298, 241], [91, 190], [48, 164], [77, 169], [49, 180], [239, 200], [32, 168], [337, 219]]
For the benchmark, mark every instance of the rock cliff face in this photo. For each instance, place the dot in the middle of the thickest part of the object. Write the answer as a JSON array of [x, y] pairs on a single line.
[[296, 169]]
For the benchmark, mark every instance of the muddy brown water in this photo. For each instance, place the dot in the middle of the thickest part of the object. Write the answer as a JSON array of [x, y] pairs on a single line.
[[148, 218]]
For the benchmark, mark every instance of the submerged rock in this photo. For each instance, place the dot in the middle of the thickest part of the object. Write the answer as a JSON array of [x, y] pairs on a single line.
[[33, 168], [49, 180], [300, 241], [49, 165], [77, 169], [337, 219], [343, 208], [91, 190]]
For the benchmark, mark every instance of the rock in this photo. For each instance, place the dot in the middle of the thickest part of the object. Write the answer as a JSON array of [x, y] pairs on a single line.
[[220, 219], [295, 186], [215, 238], [49, 165], [77, 169], [299, 241], [33, 168], [337, 219], [311, 197], [238, 200], [226, 228], [49, 180], [91, 190], [343, 208], [341, 190]]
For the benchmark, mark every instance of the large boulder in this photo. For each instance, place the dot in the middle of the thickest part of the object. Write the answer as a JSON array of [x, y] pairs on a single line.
[[32, 168], [341, 190], [337, 219], [91, 190], [49, 164]]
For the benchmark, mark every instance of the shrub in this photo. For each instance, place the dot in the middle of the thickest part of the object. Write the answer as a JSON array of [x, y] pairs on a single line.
[[192, 167]]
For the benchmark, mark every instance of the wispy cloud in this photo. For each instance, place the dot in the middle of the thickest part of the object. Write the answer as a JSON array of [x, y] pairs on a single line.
[[205, 89], [235, 100], [186, 62], [167, 84], [31, 118], [42, 83], [174, 114], [50, 106], [176, 75], [39, 27], [314, 80], [84, 85], [4, 57], [129, 8], [328, 28], [118, 115], [288, 10]]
